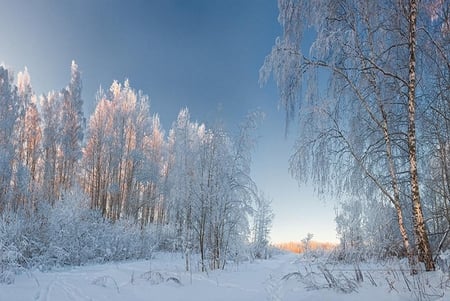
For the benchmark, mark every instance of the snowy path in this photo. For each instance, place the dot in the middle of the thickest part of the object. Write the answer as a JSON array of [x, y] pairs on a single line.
[[163, 278]]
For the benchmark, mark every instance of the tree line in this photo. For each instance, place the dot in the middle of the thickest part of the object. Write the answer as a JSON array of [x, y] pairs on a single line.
[[191, 185]]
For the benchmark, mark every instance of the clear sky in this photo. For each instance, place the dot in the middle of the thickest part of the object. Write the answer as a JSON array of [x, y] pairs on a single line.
[[200, 54]]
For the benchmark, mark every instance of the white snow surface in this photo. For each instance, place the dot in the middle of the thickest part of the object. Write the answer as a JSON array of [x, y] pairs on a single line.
[[164, 278]]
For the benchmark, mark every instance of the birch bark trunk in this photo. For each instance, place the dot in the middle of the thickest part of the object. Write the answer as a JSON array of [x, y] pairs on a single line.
[[424, 251]]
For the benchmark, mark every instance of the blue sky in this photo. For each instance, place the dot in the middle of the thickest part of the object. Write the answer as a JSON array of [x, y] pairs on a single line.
[[200, 54]]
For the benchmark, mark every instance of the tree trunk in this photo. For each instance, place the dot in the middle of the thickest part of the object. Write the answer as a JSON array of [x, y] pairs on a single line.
[[421, 237], [396, 188]]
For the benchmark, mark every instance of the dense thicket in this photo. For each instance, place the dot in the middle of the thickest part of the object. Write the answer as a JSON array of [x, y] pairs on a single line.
[[116, 186], [373, 116]]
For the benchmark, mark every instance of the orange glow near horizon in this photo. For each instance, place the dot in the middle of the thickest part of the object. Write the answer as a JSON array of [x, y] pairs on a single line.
[[298, 247]]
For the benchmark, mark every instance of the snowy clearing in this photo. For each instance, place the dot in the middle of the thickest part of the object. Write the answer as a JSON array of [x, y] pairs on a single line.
[[285, 277]]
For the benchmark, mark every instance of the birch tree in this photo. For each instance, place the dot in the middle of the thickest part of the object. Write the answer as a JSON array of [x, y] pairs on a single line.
[[62, 127], [96, 155], [183, 176], [8, 116], [33, 150], [262, 222], [114, 152], [434, 126], [50, 108], [72, 128], [358, 133], [27, 144], [150, 178], [421, 235]]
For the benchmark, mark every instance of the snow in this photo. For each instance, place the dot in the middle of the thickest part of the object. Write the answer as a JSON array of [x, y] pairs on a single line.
[[164, 278]]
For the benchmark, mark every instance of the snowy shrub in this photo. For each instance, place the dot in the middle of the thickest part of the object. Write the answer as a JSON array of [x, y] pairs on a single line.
[[74, 232], [9, 257], [123, 240], [79, 235], [16, 243], [70, 233]]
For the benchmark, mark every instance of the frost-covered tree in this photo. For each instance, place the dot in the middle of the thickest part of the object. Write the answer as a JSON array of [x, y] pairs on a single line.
[[32, 149], [27, 144], [235, 193], [96, 154], [190, 191], [50, 108], [434, 124], [211, 192], [21, 138], [358, 132], [218, 194], [349, 225], [25, 94], [8, 116], [150, 175], [62, 129], [71, 131], [184, 157], [380, 235], [262, 223], [114, 157]]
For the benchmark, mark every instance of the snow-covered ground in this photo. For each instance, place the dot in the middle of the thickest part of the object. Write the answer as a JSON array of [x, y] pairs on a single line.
[[284, 277]]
